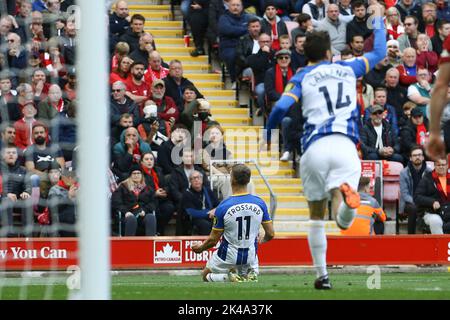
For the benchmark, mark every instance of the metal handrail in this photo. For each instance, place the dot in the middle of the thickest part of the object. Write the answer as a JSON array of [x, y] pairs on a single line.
[[273, 196]]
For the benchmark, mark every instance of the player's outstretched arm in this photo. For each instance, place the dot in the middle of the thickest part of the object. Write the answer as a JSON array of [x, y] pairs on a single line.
[[269, 232], [278, 112], [363, 65], [212, 240]]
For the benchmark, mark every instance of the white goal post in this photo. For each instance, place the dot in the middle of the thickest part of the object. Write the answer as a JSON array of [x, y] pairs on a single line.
[[93, 203]]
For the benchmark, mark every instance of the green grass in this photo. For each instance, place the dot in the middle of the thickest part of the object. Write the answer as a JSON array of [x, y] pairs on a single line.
[[269, 287]]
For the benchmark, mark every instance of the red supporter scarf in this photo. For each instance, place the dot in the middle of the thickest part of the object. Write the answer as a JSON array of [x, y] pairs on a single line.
[[437, 182], [421, 134], [153, 75], [60, 106], [63, 185], [360, 97], [136, 153], [279, 86], [275, 40], [152, 173]]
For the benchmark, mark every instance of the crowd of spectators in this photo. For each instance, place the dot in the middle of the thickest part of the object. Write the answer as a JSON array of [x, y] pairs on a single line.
[[157, 113]]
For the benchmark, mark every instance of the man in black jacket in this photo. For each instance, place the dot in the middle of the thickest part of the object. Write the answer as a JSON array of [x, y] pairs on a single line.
[[409, 8], [432, 197], [121, 104], [167, 157], [175, 83], [132, 34], [396, 94], [16, 194], [248, 44], [409, 133], [272, 24], [142, 53], [359, 25], [376, 76], [119, 20], [178, 183], [199, 202], [260, 63], [443, 30], [378, 141]]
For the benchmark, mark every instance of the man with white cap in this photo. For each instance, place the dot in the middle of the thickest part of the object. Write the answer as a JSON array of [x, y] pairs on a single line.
[[394, 54]]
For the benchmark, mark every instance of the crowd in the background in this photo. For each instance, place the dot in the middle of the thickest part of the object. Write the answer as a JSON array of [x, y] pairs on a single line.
[[157, 113]]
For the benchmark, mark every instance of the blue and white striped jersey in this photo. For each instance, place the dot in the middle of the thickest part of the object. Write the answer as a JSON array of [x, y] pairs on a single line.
[[240, 217]]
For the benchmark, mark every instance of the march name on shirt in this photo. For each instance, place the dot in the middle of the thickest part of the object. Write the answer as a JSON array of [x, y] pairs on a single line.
[[244, 207], [324, 74]]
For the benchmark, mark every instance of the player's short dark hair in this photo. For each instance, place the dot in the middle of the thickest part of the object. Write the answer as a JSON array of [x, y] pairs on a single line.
[[316, 45], [241, 174]]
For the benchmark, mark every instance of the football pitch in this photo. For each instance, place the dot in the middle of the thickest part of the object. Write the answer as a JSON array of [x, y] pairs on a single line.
[[393, 286]]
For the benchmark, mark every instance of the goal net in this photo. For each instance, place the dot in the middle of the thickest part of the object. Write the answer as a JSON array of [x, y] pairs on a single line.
[[55, 217]]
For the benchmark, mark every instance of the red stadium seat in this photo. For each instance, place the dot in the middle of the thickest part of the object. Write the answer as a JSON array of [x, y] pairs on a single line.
[[391, 187]]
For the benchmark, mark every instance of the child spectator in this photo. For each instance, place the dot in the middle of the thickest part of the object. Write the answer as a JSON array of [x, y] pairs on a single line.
[[285, 42], [122, 50]]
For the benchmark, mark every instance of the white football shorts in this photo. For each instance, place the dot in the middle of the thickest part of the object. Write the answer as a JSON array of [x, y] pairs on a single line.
[[327, 163]]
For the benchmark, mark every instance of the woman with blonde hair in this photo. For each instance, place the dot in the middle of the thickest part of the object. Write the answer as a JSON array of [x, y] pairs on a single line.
[[135, 201], [394, 24]]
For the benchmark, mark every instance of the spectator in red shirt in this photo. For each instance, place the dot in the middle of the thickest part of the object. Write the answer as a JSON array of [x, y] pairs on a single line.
[[394, 24], [425, 57], [408, 68], [24, 126], [137, 90], [122, 71], [429, 18], [167, 108], [155, 70]]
